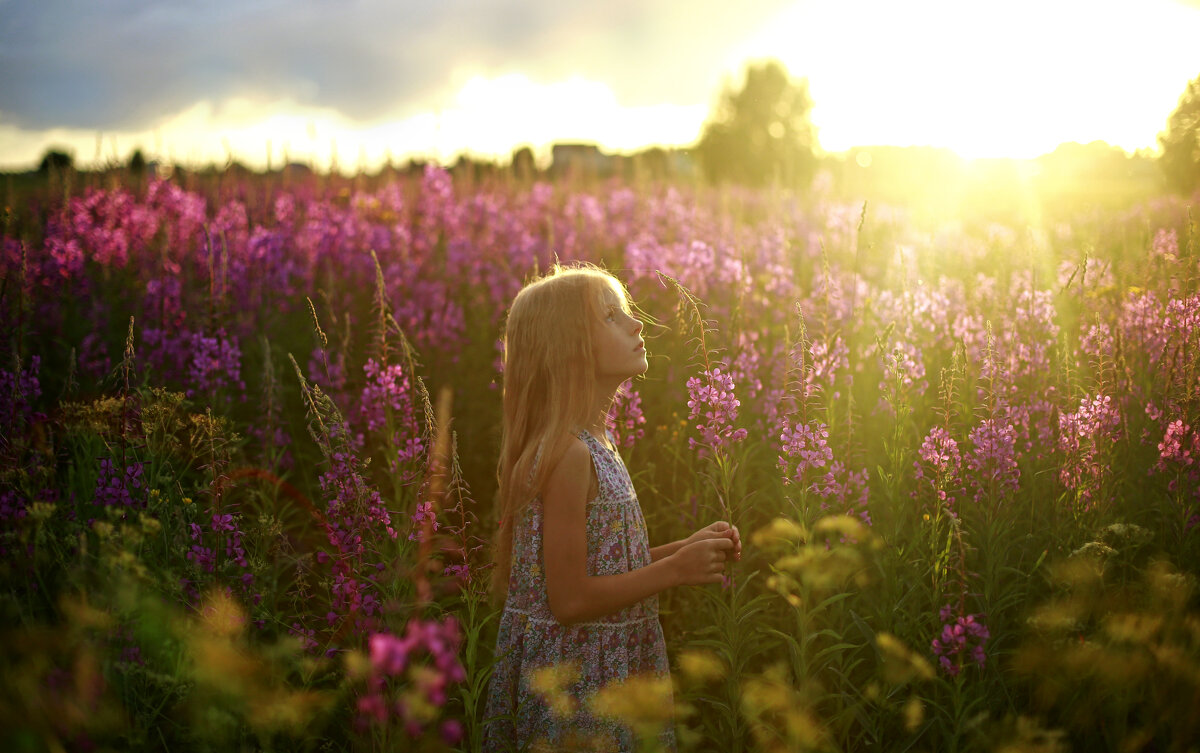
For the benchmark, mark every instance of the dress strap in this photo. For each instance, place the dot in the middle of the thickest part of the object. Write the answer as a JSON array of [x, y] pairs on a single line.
[[591, 440]]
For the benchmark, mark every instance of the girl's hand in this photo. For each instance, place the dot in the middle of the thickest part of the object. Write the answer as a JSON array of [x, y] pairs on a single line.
[[719, 530], [702, 561]]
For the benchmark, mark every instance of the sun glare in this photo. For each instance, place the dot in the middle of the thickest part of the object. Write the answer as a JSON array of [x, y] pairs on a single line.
[[1013, 80]]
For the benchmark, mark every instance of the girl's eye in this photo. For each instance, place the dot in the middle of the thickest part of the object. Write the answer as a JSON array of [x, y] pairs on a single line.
[[612, 315]]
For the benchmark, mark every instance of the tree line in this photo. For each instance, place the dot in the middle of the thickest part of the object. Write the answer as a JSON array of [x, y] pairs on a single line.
[[760, 133]]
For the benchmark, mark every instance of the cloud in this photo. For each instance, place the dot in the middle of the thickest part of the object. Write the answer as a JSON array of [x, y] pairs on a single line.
[[126, 64]]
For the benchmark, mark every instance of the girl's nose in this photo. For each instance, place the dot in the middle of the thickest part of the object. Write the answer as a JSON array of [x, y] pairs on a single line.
[[637, 325]]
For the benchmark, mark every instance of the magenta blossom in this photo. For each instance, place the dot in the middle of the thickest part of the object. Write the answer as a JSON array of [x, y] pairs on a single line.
[[625, 418], [938, 471], [431, 644], [962, 640], [992, 460], [805, 449], [713, 408]]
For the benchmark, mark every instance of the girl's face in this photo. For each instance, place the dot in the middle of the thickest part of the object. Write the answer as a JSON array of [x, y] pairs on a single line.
[[617, 340]]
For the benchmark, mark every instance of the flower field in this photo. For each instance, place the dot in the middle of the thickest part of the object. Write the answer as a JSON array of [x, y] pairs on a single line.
[[249, 426]]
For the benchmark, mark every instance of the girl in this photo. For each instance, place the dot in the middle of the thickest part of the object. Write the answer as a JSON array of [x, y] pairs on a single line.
[[572, 554]]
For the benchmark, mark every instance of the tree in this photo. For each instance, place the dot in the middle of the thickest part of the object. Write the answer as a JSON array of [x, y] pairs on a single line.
[[761, 134], [137, 162], [522, 163], [1180, 160], [57, 161]]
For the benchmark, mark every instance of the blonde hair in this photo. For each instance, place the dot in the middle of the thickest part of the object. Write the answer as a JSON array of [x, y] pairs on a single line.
[[549, 387]]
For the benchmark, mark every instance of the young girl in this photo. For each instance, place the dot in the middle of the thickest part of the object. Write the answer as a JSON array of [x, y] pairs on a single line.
[[573, 554]]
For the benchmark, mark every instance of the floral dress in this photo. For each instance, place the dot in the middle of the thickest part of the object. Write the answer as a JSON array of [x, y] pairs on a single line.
[[545, 671]]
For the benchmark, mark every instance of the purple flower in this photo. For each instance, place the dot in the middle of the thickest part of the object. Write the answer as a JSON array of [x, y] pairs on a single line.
[[389, 654], [1165, 245], [844, 492], [428, 643], [452, 732], [1179, 456], [13, 505], [18, 392], [387, 404], [625, 417], [826, 361], [203, 557], [215, 364], [805, 450], [962, 639], [114, 489], [423, 516], [712, 407], [939, 468], [1084, 436], [992, 459]]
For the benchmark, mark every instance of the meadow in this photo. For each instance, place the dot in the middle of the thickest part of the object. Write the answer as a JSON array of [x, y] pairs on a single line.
[[249, 432]]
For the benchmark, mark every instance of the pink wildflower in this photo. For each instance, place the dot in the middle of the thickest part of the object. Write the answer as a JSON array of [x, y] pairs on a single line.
[[713, 408]]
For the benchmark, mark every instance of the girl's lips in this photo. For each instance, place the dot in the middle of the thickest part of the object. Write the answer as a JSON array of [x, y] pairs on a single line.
[[641, 345]]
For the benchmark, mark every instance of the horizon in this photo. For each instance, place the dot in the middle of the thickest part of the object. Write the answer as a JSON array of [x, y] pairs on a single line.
[[542, 162]]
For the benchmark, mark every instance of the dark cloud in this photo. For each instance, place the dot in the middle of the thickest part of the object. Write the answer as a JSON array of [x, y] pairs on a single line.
[[126, 63]]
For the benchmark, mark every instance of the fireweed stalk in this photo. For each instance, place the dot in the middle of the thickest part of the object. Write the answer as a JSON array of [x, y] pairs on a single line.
[[939, 488], [414, 695], [1086, 438], [713, 410], [806, 459], [712, 403], [938, 476], [963, 636], [388, 403], [356, 522], [992, 458]]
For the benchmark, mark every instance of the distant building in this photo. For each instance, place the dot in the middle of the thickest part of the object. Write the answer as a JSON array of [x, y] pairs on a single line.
[[680, 163], [587, 161], [297, 170], [579, 160]]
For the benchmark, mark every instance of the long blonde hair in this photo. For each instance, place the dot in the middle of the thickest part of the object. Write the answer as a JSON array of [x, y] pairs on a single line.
[[549, 387]]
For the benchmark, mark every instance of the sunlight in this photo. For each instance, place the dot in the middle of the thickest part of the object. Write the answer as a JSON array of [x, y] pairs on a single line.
[[985, 81], [487, 118], [514, 110]]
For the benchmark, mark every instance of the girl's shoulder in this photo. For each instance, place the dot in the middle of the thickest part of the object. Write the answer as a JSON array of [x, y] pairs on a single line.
[[570, 453], [570, 474]]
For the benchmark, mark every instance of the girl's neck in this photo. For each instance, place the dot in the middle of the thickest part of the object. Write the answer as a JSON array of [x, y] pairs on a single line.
[[598, 426]]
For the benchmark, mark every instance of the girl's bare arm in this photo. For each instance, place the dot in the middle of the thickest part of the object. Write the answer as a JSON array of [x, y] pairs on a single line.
[[574, 595], [665, 550]]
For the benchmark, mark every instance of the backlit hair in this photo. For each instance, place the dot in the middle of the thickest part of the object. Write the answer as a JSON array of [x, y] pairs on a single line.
[[550, 388]]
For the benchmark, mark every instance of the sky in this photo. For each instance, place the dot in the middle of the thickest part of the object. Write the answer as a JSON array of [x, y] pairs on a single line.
[[353, 83]]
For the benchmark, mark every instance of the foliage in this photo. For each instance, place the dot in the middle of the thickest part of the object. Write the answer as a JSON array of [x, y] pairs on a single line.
[[1180, 142], [760, 134], [55, 160]]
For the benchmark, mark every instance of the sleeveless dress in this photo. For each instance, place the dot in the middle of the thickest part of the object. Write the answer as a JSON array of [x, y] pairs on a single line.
[[625, 643]]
